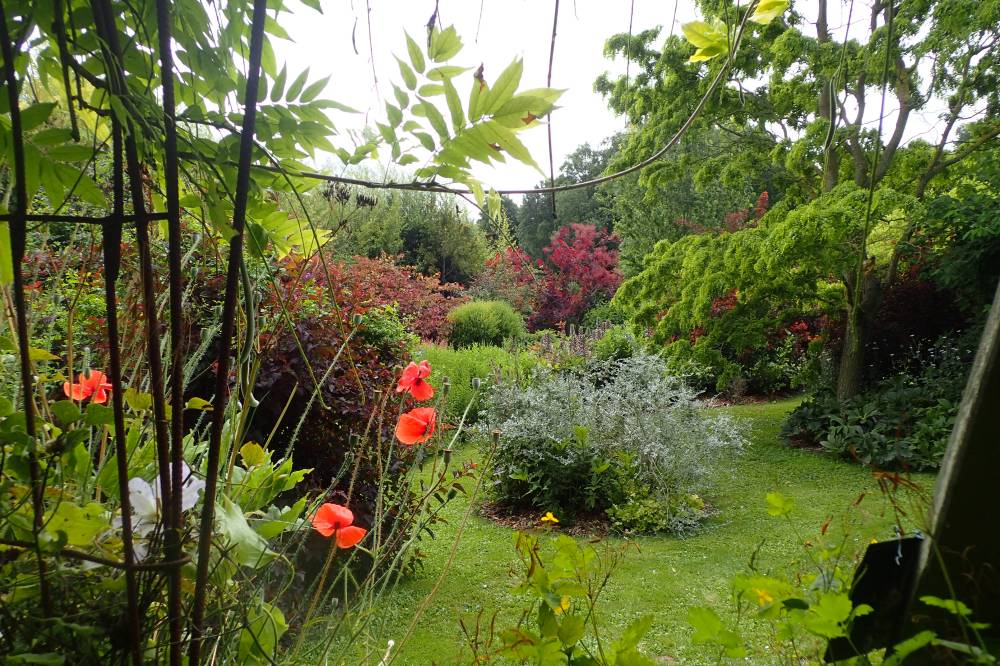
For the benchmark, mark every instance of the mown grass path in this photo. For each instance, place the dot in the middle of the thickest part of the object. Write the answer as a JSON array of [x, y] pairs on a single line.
[[663, 576]]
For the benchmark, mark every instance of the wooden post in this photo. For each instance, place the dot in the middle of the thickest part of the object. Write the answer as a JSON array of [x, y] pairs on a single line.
[[965, 516]]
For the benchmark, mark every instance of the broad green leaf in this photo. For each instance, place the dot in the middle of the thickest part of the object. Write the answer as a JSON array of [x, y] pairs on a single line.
[[314, 89], [778, 504], [394, 114], [54, 190], [253, 454], [98, 415], [401, 97], [297, 85], [475, 95], [571, 630], [503, 89], [430, 90], [409, 78], [51, 136], [66, 412], [264, 627], [826, 618], [444, 44], [81, 524], [433, 116], [416, 55], [445, 72], [701, 34], [245, 546], [36, 354], [425, 140], [70, 152], [768, 10], [454, 105], [953, 606], [278, 89], [506, 139], [137, 400], [198, 403], [36, 114]]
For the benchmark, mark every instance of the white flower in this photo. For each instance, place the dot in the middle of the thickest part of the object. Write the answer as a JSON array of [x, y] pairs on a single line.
[[145, 500]]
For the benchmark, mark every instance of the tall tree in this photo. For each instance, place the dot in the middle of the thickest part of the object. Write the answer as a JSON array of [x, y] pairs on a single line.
[[823, 96]]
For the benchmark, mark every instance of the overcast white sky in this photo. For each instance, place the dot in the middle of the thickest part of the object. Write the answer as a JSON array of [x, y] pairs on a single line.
[[494, 32], [506, 29]]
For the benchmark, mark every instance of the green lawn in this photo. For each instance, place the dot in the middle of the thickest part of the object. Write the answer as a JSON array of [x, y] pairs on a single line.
[[664, 576]]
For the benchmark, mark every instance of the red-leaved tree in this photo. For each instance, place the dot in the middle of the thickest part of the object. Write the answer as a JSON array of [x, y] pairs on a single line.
[[581, 269]]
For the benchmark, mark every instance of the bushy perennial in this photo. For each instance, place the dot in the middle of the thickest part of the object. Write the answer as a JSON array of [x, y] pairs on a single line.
[[620, 431]]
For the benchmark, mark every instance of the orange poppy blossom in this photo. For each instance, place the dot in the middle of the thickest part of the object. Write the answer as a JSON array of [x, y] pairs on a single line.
[[416, 426], [96, 387], [337, 521], [412, 381]]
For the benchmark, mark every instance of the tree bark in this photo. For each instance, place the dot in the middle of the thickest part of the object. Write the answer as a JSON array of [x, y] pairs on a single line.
[[850, 373]]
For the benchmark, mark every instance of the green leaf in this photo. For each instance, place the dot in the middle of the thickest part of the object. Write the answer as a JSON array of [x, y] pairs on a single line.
[[245, 546], [310, 93], [409, 78], [433, 116], [768, 10], [444, 44], [826, 618], [708, 629], [571, 630], [36, 114], [199, 403], [36, 658], [6, 256], [81, 524], [98, 415], [51, 136], [401, 97], [70, 152], [504, 88], [953, 606], [66, 412], [478, 88], [779, 505], [903, 650], [259, 639], [253, 454], [137, 400], [394, 114], [54, 190], [506, 139], [36, 354], [416, 55], [297, 85], [454, 105], [278, 89], [426, 140], [445, 72], [430, 90]]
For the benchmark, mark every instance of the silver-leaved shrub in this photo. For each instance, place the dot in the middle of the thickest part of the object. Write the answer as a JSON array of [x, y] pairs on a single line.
[[623, 437]]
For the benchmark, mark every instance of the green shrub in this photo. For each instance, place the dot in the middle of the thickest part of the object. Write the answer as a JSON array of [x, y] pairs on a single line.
[[592, 440], [484, 323], [904, 421], [461, 366], [616, 344]]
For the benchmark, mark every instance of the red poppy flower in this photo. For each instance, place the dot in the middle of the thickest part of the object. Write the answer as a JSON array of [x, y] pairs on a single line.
[[96, 387], [416, 426], [413, 382], [336, 520]]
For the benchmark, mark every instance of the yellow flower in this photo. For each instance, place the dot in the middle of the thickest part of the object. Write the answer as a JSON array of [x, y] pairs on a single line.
[[563, 605], [763, 596], [874, 541], [549, 518]]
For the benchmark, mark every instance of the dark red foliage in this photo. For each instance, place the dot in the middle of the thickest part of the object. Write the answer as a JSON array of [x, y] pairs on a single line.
[[725, 303], [581, 269], [424, 301], [349, 383]]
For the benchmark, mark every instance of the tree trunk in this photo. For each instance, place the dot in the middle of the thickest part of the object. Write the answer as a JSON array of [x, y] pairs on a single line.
[[860, 315]]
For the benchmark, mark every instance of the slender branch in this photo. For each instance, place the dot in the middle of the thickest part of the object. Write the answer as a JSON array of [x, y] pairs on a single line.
[[228, 324], [18, 242]]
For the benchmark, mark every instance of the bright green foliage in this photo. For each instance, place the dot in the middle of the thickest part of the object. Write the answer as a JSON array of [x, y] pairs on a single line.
[[788, 265], [484, 323], [564, 580], [463, 368]]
